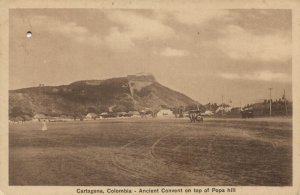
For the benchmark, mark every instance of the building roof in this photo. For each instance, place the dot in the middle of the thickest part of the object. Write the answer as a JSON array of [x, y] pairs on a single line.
[[39, 116], [121, 112], [134, 112], [91, 114]]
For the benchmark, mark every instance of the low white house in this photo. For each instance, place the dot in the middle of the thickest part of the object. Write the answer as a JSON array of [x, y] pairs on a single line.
[[91, 116], [224, 109], [39, 117], [208, 113], [134, 114], [104, 114], [165, 113]]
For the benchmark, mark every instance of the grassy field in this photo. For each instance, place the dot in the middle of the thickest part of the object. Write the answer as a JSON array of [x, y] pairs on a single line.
[[152, 152]]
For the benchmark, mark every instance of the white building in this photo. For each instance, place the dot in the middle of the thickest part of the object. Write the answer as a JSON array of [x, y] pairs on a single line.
[[91, 116], [224, 109], [134, 114], [39, 117], [208, 113], [165, 113]]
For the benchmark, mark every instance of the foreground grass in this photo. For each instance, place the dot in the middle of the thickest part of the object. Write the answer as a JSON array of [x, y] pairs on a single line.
[[152, 152]]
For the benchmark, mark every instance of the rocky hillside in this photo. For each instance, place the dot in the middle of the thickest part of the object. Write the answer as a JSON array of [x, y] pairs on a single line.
[[134, 92]]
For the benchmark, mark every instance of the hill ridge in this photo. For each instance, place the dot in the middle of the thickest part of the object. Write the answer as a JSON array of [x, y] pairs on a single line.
[[133, 92]]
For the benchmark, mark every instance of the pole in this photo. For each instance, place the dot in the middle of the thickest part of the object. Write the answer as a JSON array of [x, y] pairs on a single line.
[[222, 106], [270, 101], [286, 111]]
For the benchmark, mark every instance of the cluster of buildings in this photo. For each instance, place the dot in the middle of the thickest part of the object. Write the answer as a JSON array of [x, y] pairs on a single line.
[[131, 114], [147, 113], [94, 116]]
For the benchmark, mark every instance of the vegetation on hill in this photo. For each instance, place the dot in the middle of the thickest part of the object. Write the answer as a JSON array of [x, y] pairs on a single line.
[[280, 107], [82, 97]]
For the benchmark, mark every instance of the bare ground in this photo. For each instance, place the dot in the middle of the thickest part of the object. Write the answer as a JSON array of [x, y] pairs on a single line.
[[133, 152]]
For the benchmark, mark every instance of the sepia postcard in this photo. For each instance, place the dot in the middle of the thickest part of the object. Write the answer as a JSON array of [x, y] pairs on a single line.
[[149, 97]]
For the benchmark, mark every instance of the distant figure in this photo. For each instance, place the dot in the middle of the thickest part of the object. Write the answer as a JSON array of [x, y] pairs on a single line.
[[44, 127]]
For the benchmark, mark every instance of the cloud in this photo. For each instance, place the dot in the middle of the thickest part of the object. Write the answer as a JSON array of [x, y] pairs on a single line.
[[125, 29], [70, 30], [170, 52], [258, 76], [133, 27], [118, 40], [238, 43], [231, 76], [75, 32], [199, 17]]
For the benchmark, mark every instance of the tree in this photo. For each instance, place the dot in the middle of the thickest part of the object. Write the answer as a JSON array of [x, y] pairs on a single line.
[[16, 111], [91, 109]]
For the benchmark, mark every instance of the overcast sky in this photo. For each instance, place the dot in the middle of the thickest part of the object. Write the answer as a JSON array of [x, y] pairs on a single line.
[[202, 53]]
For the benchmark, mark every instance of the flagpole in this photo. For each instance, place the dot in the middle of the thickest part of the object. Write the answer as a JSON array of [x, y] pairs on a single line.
[[270, 101], [222, 106], [286, 111]]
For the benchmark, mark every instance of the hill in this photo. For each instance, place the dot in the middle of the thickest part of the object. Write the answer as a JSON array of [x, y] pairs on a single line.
[[134, 92]]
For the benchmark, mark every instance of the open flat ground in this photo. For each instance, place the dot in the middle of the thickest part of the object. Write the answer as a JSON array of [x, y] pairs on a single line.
[[152, 152]]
